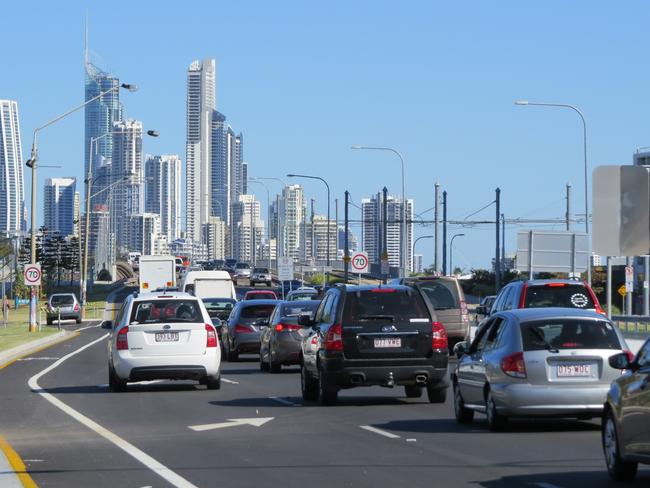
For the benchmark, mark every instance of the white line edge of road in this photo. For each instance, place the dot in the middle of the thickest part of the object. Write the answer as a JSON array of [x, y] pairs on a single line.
[[370, 428], [141, 456]]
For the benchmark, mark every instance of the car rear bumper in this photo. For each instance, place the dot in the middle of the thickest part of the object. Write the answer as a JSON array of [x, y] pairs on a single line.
[[533, 400], [125, 364], [168, 373], [245, 344], [64, 316], [286, 351]]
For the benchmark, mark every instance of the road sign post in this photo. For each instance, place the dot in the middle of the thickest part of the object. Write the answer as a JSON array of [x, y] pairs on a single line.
[[360, 263], [32, 274], [285, 271]]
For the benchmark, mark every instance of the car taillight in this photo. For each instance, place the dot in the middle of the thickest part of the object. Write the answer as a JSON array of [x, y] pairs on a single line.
[[522, 298], [211, 340], [383, 290], [464, 317], [556, 285], [243, 329], [334, 338], [281, 327], [76, 307], [122, 342], [513, 365], [438, 336]]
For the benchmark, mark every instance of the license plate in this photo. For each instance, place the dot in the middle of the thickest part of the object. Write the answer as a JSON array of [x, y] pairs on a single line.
[[166, 336], [568, 370], [388, 342]]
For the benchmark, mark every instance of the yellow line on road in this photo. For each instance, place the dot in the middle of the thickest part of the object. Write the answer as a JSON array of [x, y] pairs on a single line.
[[17, 464], [29, 353]]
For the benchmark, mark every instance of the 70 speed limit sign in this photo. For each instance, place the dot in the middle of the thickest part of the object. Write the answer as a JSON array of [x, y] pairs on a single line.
[[359, 262], [32, 274]]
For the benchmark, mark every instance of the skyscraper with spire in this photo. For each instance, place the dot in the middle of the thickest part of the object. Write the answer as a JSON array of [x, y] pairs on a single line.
[[12, 193]]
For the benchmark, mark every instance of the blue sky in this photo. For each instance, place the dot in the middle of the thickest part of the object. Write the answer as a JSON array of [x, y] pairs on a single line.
[[304, 81]]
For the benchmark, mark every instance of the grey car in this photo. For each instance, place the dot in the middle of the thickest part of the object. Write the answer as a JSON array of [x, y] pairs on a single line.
[[261, 275], [64, 306], [241, 334], [536, 362], [280, 340]]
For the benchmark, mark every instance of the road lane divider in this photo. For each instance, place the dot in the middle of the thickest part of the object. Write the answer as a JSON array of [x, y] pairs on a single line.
[[16, 464], [255, 422], [230, 382], [370, 428], [139, 455]]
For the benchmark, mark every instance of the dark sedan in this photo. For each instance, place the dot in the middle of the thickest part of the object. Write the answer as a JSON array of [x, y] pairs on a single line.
[[241, 334]]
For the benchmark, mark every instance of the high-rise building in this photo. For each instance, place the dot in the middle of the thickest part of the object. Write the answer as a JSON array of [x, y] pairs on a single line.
[[353, 244], [12, 193], [418, 266], [373, 234], [292, 213], [201, 102], [214, 236], [247, 229], [163, 192], [59, 205], [315, 234], [127, 196], [144, 232], [101, 245]]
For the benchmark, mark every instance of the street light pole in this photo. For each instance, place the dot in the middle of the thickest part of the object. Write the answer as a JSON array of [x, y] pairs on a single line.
[[414, 243], [328, 209], [584, 143], [451, 252], [404, 257]]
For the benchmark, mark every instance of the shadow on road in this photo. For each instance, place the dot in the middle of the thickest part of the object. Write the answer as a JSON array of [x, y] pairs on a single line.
[[592, 479], [131, 387], [431, 426]]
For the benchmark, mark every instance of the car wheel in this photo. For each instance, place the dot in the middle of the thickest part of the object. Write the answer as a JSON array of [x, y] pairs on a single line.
[[213, 382], [496, 421], [308, 385], [115, 383], [463, 414], [326, 395], [231, 356], [436, 394], [78, 321], [274, 367], [616, 467], [413, 391]]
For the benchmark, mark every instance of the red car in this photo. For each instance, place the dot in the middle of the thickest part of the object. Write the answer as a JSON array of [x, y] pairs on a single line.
[[260, 295]]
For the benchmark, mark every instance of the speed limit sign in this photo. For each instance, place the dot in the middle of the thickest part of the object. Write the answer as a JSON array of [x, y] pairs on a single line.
[[32, 274], [359, 262]]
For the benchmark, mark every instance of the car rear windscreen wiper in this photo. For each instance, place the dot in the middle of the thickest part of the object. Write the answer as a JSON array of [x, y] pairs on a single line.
[[547, 344], [377, 317]]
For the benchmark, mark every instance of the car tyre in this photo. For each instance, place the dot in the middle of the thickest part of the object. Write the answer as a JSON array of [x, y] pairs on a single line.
[[231, 356], [413, 391], [436, 394], [274, 366], [463, 414], [308, 385], [326, 394], [213, 382], [617, 468], [115, 383], [496, 421], [78, 321]]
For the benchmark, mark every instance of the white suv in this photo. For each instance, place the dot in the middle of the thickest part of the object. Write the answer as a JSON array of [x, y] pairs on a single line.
[[163, 335]]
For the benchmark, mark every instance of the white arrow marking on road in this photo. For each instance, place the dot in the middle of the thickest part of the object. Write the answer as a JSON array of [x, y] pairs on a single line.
[[256, 422]]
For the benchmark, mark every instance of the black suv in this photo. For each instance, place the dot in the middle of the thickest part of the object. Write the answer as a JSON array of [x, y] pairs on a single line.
[[368, 336]]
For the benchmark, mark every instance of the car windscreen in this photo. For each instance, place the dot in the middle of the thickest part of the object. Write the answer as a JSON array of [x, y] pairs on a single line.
[[384, 303], [299, 308], [302, 296], [165, 311], [257, 312], [568, 333], [558, 295], [60, 300], [440, 294]]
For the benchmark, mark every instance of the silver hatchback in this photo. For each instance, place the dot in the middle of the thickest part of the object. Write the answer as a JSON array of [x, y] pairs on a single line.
[[536, 362]]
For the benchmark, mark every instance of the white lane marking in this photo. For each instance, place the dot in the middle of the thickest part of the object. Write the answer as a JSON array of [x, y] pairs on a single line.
[[34, 460], [282, 401], [231, 382], [256, 422], [379, 431], [411, 440], [36, 359], [158, 468]]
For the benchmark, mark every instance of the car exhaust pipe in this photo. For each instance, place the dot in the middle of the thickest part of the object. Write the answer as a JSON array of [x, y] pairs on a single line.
[[421, 379], [390, 382]]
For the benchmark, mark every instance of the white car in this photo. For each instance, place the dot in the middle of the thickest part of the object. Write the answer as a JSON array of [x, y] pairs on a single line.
[[164, 335]]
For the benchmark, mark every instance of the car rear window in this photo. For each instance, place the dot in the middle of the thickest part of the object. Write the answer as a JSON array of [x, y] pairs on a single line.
[[261, 270], [59, 300], [302, 296], [165, 311], [299, 308], [569, 334], [260, 295], [558, 295], [396, 305], [441, 295], [257, 312]]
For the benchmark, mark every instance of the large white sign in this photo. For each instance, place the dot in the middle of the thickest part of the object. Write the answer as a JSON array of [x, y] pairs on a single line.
[[629, 279], [552, 251], [32, 274], [359, 262], [285, 268]]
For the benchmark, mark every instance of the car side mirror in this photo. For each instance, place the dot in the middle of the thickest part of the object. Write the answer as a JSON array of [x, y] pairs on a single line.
[[620, 361], [305, 320], [460, 348], [107, 324]]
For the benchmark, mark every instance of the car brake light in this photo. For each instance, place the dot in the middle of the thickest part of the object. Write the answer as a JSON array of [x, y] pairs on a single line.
[[438, 336], [281, 327], [383, 290], [556, 285], [630, 355], [513, 365], [76, 307], [522, 298], [122, 342], [211, 340], [243, 329], [334, 338]]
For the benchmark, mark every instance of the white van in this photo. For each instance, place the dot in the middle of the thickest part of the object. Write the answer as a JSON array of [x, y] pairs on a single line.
[[209, 284]]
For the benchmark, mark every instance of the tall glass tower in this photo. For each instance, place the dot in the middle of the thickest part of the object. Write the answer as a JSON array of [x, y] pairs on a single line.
[[12, 193]]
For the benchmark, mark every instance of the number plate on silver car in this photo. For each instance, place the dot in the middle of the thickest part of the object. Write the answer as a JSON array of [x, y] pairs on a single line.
[[396, 342], [166, 336], [577, 370]]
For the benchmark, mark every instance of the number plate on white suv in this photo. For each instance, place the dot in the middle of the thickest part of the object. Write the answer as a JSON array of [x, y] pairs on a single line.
[[166, 336]]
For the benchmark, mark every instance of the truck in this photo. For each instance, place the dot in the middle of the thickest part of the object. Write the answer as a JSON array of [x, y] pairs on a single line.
[[157, 272], [209, 284]]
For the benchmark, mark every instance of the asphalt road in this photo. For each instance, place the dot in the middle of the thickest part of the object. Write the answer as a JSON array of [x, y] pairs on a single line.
[[80, 434]]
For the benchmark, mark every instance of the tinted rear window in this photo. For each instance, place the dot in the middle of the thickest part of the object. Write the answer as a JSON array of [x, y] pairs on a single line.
[[441, 295], [397, 305], [59, 300], [165, 311], [260, 295], [261, 270], [299, 308], [257, 312], [569, 296], [569, 334]]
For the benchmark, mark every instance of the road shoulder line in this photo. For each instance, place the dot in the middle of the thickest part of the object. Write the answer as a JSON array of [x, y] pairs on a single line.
[[16, 463], [10, 356]]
